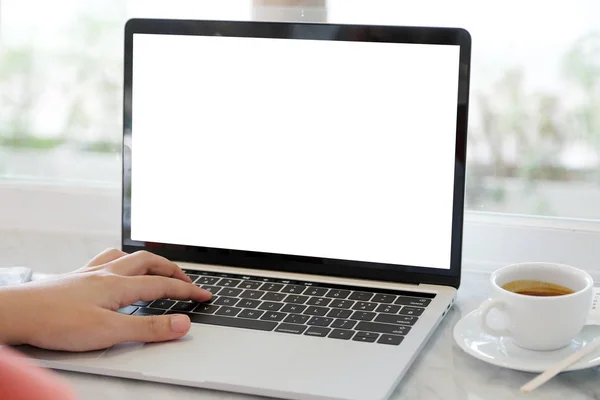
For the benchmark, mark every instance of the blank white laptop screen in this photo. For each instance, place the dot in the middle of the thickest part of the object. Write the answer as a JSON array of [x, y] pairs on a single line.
[[331, 149]]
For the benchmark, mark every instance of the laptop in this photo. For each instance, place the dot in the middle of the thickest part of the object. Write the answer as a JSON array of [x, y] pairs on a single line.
[[311, 176]]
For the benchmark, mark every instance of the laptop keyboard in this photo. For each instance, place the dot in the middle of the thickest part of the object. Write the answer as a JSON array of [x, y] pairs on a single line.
[[298, 308]]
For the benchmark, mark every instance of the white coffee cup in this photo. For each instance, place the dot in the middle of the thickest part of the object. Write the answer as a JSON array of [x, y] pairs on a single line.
[[539, 322]]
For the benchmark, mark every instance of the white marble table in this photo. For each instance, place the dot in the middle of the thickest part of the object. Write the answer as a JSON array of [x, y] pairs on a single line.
[[442, 370]]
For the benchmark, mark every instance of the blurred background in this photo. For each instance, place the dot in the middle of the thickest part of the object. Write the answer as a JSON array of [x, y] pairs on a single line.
[[534, 121]]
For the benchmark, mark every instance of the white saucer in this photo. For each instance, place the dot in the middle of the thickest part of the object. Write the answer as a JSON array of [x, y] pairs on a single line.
[[504, 353]]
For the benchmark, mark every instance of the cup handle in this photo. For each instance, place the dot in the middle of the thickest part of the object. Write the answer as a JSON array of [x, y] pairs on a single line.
[[485, 308]]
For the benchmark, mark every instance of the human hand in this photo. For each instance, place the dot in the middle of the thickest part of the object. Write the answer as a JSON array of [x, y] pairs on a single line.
[[76, 311]]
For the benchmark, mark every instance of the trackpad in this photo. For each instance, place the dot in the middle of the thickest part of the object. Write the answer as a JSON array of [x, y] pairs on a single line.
[[123, 349], [223, 358]]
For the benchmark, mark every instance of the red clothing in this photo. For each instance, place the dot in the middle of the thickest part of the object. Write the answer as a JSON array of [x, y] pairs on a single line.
[[22, 379]]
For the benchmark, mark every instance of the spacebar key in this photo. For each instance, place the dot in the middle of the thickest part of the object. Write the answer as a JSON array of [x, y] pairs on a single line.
[[233, 322]]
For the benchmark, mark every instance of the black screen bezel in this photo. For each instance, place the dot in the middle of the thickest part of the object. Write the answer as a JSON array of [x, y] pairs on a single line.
[[312, 31]]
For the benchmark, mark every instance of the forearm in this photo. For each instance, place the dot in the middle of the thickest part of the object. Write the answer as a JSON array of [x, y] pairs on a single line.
[[11, 324]]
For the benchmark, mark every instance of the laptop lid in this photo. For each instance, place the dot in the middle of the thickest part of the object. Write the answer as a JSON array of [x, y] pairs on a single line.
[[315, 148]]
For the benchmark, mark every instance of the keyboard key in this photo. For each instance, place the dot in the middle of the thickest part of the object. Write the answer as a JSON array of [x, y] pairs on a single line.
[[230, 292], [343, 334], [233, 322], [129, 310], [315, 291], [411, 311], [228, 311], [293, 289], [369, 337], [273, 316], [413, 301], [184, 306], [338, 293], [343, 324], [193, 277], [253, 314], [295, 299], [396, 319], [249, 285], [247, 303], [273, 296], [293, 308], [212, 289], [290, 328], [341, 304], [362, 296], [271, 287], [207, 280], [384, 298], [206, 309], [226, 301], [360, 305], [228, 282], [162, 304], [363, 315], [390, 339], [297, 319], [382, 328], [318, 311], [318, 301], [388, 309], [339, 313], [270, 306], [320, 321], [252, 294], [317, 331], [141, 303], [148, 311]]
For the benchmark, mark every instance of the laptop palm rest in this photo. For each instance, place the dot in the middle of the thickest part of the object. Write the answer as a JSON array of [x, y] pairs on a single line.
[[258, 362]]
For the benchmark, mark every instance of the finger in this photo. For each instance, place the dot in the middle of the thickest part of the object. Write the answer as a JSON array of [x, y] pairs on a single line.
[[144, 262], [152, 328], [147, 288]]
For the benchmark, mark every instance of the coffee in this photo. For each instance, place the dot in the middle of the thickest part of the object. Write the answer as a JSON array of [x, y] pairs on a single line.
[[537, 288]]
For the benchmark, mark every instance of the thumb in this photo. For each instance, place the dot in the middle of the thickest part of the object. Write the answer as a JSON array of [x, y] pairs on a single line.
[[153, 328]]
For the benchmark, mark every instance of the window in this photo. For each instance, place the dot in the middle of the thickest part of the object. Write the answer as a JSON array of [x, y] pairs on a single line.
[[534, 123]]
